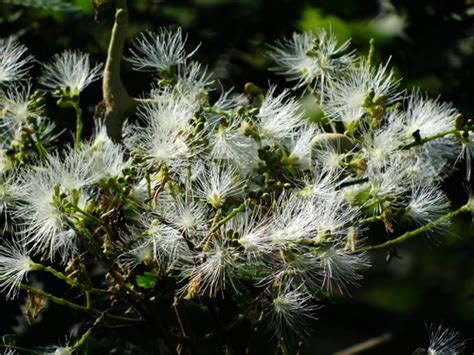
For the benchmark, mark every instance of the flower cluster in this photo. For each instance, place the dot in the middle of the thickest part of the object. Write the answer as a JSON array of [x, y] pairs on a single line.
[[243, 198]]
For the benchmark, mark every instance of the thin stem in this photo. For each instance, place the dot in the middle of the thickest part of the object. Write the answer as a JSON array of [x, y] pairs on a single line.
[[375, 202], [370, 55], [93, 218], [79, 125], [86, 335], [353, 182], [75, 306], [67, 279], [217, 111], [231, 215], [88, 300], [148, 185], [436, 136], [370, 220], [40, 148], [415, 232]]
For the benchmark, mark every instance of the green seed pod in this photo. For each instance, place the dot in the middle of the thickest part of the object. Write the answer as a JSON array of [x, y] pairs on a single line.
[[459, 121], [254, 111], [240, 110], [251, 88]]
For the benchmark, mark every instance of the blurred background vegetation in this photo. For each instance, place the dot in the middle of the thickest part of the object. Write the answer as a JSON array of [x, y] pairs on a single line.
[[431, 45]]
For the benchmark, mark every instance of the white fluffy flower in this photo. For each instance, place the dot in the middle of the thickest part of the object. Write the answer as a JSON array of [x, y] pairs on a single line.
[[15, 263], [300, 147], [165, 139], [187, 215], [159, 51], [17, 107], [378, 147], [214, 271], [296, 269], [395, 177], [291, 311], [14, 64], [253, 230], [427, 203], [346, 99], [105, 157], [217, 183], [46, 191], [444, 341], [294, 219], [9, 199], [279, 116], [227, 142], [70, 70], [193, 79], [163, 243], [427, 116], [309, 57], [340, 269]]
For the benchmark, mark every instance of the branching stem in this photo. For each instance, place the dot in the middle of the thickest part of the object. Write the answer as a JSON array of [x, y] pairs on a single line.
[[68, 280], [411, 234], [75, 306], [118, 103]]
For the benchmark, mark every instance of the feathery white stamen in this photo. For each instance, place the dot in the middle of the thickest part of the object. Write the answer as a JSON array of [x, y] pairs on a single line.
[[311, 58], [291, 311], [15, 263], [217, 183], [14, 65], [159, 51], [70, 70], [345, 100], [444, 341], [279, 116]]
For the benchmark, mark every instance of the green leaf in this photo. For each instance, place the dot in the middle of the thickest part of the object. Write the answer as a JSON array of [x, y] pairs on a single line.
[[147, 280]]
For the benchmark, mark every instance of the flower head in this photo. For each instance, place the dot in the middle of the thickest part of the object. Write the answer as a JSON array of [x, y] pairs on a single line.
[[70, 70], [48, 192], [427, 116], [311, 58], [157, 242], [345, 101], [444, 341], [105, 157], [427, 203], [217, 183], [166, 137], [279, 116], [18, 107], [159, 51], [14, 64], [15, 263], [340, 268], [211, 275], [291, 311], [9, 199]]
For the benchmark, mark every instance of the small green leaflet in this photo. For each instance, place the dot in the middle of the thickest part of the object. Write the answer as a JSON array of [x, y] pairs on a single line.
[[147, 280]]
